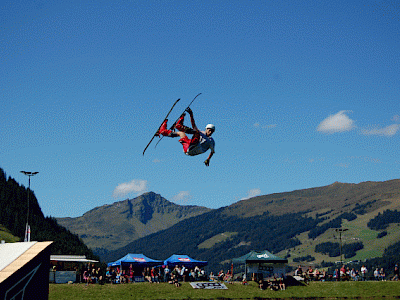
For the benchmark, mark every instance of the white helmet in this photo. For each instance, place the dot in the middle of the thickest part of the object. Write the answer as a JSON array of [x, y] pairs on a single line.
[[210, 126]]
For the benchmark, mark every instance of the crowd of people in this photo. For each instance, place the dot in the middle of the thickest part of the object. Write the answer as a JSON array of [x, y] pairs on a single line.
[[90, 274], [344, 274], [155, 274]]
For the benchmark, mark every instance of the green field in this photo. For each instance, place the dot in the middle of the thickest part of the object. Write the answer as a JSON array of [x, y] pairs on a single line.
[[315, 290], [6, 235]]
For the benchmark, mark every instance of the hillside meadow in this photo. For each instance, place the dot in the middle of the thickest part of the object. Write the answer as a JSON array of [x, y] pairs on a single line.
[[315, 290]]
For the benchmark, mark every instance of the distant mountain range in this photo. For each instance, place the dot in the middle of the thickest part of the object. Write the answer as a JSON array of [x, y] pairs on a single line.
[[290, 224], [116, 225]]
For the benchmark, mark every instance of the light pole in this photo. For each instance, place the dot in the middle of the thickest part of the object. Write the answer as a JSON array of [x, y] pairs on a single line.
[[27, 228], [340, 230]]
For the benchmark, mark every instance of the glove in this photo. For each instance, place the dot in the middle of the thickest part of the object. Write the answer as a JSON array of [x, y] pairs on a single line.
[[207, 162]]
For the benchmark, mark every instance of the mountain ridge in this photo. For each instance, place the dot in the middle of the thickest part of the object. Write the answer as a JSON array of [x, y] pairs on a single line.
[[289, 224], [114, 225]]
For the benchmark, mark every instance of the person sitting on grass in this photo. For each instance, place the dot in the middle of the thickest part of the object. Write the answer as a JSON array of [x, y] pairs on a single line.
[[261, 284], [244, 281], [213, 277], [281, 284], [396, 272], [221, 275], [175, 281], [86, 276], [272, 285], [310, 273], [147, 275]]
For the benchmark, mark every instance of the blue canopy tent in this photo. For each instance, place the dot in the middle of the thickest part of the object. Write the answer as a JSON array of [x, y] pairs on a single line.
[[184, 260], [137, 260]]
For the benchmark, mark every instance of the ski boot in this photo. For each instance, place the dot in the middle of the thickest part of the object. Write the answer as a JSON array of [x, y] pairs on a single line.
[[164, 131]]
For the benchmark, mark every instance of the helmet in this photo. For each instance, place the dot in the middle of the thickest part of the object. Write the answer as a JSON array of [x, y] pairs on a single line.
[[210, 126]]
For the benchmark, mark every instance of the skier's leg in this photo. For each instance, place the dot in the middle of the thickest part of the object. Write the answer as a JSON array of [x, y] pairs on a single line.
[[179, 125], [188, 144], [195, 138], [166, 132], [185, 141]]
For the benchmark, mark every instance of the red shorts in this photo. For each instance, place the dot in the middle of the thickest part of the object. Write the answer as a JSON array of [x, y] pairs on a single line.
[[187, 143]]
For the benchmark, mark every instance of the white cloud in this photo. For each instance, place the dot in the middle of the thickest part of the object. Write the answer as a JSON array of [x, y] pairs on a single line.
[[137, 186], [339, 122], [252, 193], [182, 197], [390, 130]]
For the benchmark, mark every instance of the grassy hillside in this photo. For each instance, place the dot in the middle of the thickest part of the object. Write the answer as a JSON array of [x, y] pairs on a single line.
[[282, 223], [377, 198], [336, 198], [7, 236]]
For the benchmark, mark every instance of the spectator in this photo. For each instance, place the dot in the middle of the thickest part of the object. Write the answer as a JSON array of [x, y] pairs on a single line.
[[192, 275], [300, 271], [146, 274], [175, 281], [317, 274], [281, 284], [336, 275], [261, 284], [156, 274], [228, 276], [186, 275], [108, 275], [202, 275], [396, 273], [86, 276], [310, 273], [131, 273], [122, 276], [364, 272], [166, 274], [197, 272], [244, 281], [376, 274], [221, 275], [324, 276], [272, 285], [353, 275], [175, 272], [182, 271], [343, 272], [382, 275]]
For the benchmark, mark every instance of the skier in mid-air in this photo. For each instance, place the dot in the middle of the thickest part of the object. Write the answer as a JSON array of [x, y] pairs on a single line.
[[200, 142]]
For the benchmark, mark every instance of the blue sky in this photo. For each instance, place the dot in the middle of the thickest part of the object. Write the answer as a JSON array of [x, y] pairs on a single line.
[[302, 94]]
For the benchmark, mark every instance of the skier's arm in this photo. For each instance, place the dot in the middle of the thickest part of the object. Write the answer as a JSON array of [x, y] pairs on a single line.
[[207, 161], [189, 110]]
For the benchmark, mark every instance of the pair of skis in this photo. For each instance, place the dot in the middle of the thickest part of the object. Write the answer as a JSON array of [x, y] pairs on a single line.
[[166, 117]]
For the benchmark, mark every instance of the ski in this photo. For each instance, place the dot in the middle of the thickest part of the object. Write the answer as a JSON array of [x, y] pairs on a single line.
[[155, 134], [173, 125]]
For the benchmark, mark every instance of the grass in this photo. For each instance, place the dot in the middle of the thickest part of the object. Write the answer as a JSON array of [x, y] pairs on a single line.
[[6, 235], [207, 244], [315, 290]]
